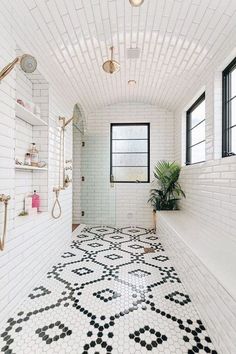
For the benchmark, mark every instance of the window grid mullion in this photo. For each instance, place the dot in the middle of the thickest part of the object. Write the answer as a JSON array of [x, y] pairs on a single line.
[[227, 98], [190, 131], [195, 126], [130, 152]]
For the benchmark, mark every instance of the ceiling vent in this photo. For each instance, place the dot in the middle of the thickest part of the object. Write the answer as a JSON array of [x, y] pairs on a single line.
[[133, 53]]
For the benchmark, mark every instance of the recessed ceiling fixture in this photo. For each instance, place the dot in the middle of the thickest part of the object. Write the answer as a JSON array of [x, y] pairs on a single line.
[[132, 82], [111, 66], [133, 53], [136, 3]]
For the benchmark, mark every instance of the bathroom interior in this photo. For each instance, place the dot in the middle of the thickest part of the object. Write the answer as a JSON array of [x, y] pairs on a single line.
[[104, 104]]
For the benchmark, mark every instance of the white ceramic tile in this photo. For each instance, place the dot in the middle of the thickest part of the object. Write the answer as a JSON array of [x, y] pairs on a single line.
[[105, 295]]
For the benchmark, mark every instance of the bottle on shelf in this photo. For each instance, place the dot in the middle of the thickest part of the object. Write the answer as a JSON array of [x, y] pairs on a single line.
[[34, 155], [36, 201], [27, 160]]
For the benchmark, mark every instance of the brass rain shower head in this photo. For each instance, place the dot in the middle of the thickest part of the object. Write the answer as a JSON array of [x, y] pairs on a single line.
[[111, 66], [136, 3], [27, 63]]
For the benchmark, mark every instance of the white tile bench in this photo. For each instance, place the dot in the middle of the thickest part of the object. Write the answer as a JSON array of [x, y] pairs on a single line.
[[206, 261]]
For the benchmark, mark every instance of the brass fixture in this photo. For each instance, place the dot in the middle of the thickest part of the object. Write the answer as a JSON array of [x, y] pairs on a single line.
[[136, 3], [132, 82], [4, 199], [111, 66], [67, 181], [63, 180], [149, 250], [27, 63]]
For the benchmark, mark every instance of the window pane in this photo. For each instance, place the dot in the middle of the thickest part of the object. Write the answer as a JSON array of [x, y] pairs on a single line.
[[198, 133], [130, 174], [129, 152], [129, 160], [233, 112], [198, 114], [130, 132], [233, 83], [130, 145], [197, 153], [233, 140]]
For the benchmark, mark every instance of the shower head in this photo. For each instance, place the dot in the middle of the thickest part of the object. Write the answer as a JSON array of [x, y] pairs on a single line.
[[111, 66], [27, 63], [76, 116]]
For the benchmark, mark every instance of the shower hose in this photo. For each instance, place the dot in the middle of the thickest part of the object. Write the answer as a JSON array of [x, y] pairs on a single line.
[[57, 190], [56, 203], [4, 199]]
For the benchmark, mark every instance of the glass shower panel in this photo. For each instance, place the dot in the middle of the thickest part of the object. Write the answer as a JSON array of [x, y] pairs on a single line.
[[98, 195]]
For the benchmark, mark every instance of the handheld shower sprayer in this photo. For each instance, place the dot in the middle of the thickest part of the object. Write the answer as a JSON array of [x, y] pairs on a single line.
[[4, 199], [65, 181], [27, 63]]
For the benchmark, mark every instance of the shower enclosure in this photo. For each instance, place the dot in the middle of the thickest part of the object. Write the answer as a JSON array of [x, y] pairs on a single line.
[[98, 195]]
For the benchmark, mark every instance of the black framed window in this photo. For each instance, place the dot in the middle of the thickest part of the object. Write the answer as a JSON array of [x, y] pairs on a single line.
[[130, 153], [229, 110], [196, 135]]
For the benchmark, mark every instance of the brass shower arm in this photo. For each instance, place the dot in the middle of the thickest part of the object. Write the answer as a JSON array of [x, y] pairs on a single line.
[[27, 63], [65, 122], [68, 122], [8, 68]]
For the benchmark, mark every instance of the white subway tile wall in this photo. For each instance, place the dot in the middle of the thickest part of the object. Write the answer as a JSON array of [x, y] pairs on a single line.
[[210, 187], [122, 204], [210, 190], [31, 247]]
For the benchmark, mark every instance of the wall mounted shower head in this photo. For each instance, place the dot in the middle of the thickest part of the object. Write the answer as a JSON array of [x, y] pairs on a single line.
[[27, 63]]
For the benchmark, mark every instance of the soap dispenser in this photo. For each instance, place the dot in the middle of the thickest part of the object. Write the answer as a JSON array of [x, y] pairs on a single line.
[[36, 201], [34, 155]]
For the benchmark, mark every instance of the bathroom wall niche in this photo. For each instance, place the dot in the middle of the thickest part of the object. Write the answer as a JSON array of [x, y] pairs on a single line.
[[31, 126]]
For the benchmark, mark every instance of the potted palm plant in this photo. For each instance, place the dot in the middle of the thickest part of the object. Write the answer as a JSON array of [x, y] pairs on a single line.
[[167, 191]]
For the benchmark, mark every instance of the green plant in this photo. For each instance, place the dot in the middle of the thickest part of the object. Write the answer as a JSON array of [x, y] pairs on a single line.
[[23, 213], [168, 190]]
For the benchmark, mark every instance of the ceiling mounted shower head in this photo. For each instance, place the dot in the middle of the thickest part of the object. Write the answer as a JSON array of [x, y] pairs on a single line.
[[28, 63], [111, 66], [136, 3]]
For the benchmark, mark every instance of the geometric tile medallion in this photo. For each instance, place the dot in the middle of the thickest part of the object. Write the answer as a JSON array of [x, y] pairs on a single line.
[[104, 295]]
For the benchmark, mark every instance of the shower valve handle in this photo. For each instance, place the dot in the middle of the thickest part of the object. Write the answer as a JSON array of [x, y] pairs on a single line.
[[4, 198]]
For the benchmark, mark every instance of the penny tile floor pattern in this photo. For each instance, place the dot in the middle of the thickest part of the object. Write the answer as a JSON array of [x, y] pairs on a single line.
[[105, 295]]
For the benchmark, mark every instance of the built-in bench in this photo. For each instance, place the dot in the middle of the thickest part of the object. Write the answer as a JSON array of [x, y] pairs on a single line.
[[206, 261]]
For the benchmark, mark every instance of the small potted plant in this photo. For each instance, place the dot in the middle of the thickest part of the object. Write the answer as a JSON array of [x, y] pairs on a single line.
[[167, 191]]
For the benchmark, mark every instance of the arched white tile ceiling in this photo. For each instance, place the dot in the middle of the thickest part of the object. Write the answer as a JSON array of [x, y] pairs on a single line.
[[71, 38]]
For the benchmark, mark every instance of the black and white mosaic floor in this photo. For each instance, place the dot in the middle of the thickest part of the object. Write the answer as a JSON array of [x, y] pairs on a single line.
[[107, 296]]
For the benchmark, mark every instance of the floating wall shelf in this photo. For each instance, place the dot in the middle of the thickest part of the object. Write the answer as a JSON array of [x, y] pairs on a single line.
[[30, 168], [27, 116]]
